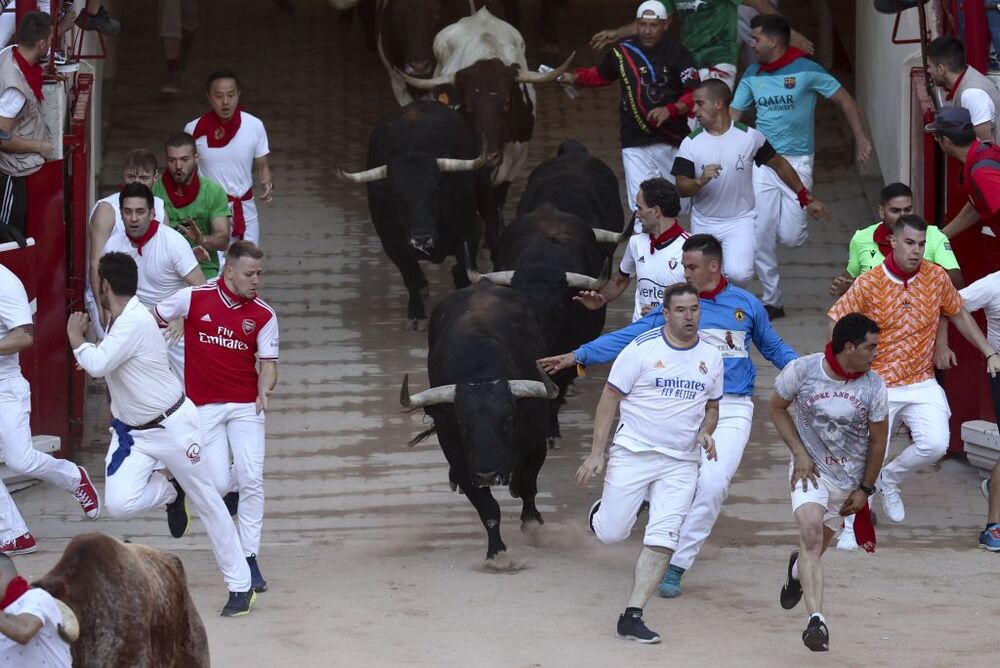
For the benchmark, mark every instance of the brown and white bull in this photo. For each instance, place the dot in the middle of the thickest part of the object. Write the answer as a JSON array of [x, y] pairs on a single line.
[[482, 71], [131, 604]]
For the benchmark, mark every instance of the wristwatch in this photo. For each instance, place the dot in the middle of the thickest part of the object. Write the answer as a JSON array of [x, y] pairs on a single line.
[[867, 490]]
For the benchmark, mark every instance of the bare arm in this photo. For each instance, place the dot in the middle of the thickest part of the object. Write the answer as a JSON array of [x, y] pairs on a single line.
[[610, 36], [968, 328], [219, 239], [196, 277], [17, 144], [878, 437], [688, 187], [603, 418], [20, 628], [965, 219], [956, 278], [17, 340], [708, 425], [102, 222], [847, 104], [266, 380], [263, 171], [944, 358]]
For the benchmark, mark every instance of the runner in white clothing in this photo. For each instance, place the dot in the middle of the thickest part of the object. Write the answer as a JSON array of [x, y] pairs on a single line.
[[105, 220], [666, 376], [16, 334], [154, 426], [653, 258], [233, 148], [30, 624], [714, 167], [166, 260]]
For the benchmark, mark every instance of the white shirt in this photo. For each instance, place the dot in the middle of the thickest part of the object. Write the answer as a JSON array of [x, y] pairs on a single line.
[[132, 358], [666, 390], [112, 200], [46, 649], [979, 104], [11, 102], [231, 166], [985, 294], [166, 259], [14, 312], [729, 196], [654, 271]]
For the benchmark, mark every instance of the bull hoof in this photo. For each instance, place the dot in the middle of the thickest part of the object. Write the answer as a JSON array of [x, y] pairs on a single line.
[[531, 523], [453, 485], [415, 325], [501, 562], [554, 442], [513, 493]]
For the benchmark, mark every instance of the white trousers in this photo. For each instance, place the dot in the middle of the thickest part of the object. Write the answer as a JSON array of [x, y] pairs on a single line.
[[237, 429], [779, 219], [175, 354], [666, 481], [731, 436], [21, 457], [648, 162], [739, 240], [924, 408], [136, 486]]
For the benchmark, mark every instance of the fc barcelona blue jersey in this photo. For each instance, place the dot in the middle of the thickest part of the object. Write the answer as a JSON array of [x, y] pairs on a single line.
[[786, 102]]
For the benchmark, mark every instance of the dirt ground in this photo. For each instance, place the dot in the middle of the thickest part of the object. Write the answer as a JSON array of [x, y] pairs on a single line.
[[371, 559]]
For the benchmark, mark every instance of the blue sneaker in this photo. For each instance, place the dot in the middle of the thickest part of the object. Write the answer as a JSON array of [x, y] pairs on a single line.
[[671, 585], [990, 538]]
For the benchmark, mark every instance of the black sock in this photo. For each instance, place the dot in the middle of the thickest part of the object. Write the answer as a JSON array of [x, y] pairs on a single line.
[[633, 612]]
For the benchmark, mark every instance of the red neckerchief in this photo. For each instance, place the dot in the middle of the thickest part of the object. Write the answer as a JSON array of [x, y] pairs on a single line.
[[16, 588], [864, 529], [659, 242], [216, 131], [831, 359], [790, 54], [32, 74], [239, 218], [881, 236], [230, 295], [896, 272], [954, 88], [711, 294], [181, 195], [144, 239]]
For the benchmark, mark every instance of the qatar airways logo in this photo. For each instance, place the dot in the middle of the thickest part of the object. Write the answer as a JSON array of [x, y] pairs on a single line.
[[223, 337]]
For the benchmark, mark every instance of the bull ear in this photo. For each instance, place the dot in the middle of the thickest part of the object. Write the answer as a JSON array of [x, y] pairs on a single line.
[[522, 114], [448, 94]]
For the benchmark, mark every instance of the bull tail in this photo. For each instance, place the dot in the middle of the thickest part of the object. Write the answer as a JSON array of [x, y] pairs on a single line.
[[421, 436]]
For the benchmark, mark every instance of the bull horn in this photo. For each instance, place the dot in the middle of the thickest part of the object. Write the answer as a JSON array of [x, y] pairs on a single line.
[[528, 389], [608, 237], [445, 394], [584, 282], [553, 389], [460, 165], [367, 176], [504, 278], [69, 629], [545, 77], [425, 84]]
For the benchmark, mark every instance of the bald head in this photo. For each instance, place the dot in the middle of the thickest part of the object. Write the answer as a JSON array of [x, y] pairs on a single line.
[[716, 91]]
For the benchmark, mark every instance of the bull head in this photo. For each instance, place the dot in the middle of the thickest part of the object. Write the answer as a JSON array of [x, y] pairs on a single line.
[[382, 171], [445, 394], [573, 280]]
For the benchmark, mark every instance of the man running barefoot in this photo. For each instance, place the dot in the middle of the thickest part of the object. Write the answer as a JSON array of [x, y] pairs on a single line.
[[837, 439], [668, 384]]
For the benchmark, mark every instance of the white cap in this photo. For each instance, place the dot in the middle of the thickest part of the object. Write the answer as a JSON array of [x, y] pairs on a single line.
[[654, 7]]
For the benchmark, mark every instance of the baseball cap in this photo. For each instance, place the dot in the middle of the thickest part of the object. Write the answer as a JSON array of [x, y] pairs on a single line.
[[651, 6], [951, 122]]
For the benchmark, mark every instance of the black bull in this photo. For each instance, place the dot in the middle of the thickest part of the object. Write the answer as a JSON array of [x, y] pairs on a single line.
[[488, 399], [426, 193]]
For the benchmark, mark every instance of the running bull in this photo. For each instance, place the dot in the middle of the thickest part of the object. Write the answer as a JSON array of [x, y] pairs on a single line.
[[487, 399], [549, 256], [131, 604], [426, 188]]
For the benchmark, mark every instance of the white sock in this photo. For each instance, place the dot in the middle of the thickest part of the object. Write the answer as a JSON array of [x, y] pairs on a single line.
[[818, 614], [795, 570]]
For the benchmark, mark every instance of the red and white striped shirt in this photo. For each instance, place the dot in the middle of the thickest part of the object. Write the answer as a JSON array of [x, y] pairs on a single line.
[[224, 336]]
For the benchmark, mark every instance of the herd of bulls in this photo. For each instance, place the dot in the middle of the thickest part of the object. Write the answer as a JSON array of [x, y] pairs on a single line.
[[437, 175]]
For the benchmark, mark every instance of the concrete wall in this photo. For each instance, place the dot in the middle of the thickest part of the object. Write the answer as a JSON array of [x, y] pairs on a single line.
[[883, 86]]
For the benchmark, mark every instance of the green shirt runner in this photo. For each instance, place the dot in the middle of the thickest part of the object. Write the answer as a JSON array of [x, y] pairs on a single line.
[[210, 203], [864, 253], [708, 29]]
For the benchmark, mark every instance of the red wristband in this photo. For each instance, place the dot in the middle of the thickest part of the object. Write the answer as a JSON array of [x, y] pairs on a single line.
[[672, 108], [805, 197]]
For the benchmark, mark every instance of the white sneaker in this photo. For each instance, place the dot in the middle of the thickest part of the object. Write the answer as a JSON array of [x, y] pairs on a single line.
[[892, 503], [847, 542], [984, 487]]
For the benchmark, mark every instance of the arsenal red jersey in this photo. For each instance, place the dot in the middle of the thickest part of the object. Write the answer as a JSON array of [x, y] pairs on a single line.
[[224, 336]]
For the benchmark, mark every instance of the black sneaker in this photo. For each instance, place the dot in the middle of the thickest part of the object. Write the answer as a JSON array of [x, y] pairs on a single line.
[[178, 514], [791, 592], [631, 627], [99, 22], [232, 501], [239, 603], [816, 636], [257, 581], [593, 511], [774, 312]]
